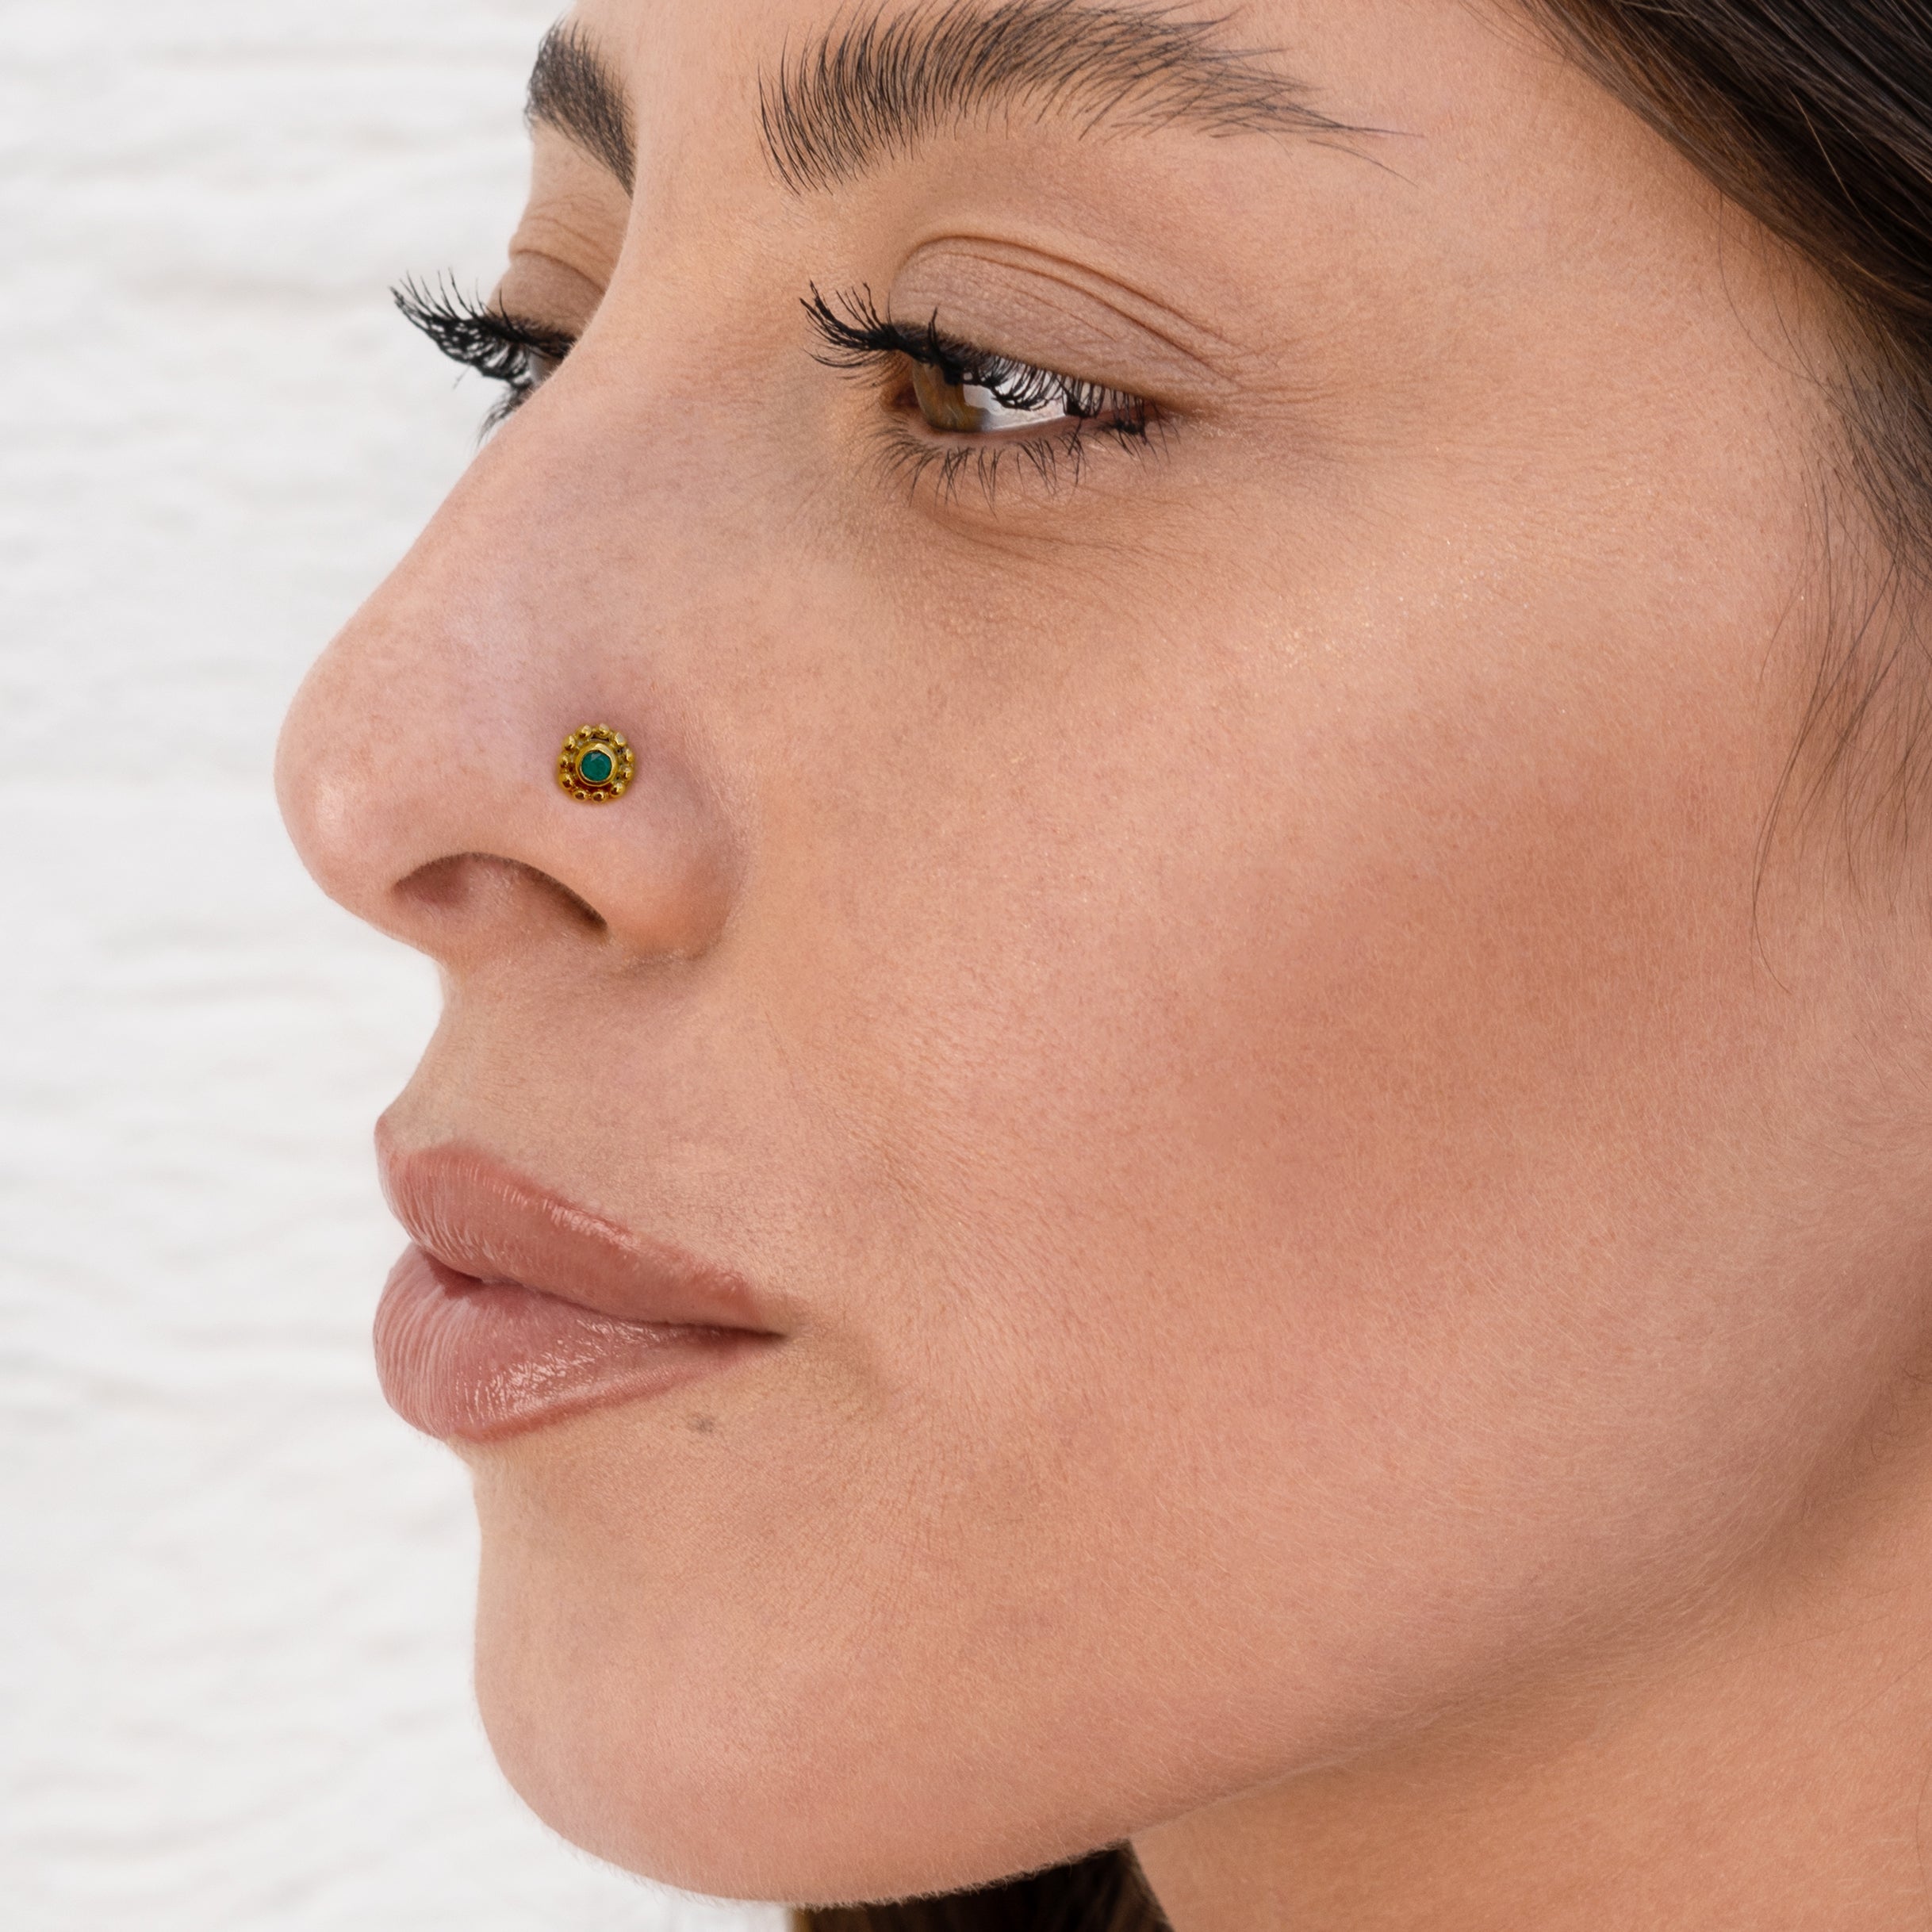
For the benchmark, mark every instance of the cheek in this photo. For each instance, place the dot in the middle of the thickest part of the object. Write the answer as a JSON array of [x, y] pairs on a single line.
[[1293, 1213], [1355, 1179]]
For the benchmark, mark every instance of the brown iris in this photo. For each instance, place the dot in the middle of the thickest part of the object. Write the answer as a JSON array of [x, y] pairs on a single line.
[[948, 402]]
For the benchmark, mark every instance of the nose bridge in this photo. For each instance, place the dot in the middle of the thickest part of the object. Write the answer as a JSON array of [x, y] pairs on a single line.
[[421, 756]]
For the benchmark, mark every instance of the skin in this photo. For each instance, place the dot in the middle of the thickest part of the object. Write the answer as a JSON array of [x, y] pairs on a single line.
[[1353, 1269]]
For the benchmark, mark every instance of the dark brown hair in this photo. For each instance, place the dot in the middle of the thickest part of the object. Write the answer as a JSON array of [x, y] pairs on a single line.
[[1105, 1893], [1815, 116]]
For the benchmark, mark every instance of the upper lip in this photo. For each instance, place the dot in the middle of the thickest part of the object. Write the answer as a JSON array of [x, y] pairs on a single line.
[[475, 1214]]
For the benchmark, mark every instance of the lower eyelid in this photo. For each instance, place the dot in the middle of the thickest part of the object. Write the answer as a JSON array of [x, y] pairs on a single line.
[[1049, 462]]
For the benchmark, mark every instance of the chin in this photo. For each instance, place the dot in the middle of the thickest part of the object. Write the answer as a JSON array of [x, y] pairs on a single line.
[[710, 1787], [674, 1682], [772, 1659]]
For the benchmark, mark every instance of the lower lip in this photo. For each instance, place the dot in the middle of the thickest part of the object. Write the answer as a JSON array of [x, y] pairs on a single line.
[[478, 1361]]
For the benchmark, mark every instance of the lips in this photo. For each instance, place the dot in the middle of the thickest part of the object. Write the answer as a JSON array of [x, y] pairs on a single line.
[[514, 1308]]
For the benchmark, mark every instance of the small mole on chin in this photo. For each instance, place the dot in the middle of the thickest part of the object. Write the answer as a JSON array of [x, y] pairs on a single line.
[[704, 1425]]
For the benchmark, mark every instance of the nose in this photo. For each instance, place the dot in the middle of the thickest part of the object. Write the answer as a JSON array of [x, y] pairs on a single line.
[[418, 769]]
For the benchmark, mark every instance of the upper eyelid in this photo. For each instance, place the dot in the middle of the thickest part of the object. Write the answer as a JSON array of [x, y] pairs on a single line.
[[1060, 287], [456, 322], [1047, 302], [865, 333]]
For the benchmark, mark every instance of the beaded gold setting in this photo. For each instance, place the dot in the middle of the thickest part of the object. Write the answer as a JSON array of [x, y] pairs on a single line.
[[595, 765]]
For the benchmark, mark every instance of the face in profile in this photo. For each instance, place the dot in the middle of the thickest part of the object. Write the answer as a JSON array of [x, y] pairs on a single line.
[[1164, 1122]]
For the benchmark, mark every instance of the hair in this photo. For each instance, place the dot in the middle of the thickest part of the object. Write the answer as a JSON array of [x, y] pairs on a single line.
[[1103, 1893], [1815, 116]]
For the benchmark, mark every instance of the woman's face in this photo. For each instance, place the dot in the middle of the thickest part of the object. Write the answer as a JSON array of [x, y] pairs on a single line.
[[1190, 934]]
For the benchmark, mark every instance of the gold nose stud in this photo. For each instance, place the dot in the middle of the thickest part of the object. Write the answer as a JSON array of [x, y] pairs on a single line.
[[595, 764]]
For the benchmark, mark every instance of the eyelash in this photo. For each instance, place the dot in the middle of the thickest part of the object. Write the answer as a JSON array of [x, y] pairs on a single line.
[[506, 348], [511, 350], [863, 342]]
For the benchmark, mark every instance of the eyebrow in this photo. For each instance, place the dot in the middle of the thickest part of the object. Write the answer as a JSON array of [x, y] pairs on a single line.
[[573, 91], [875, 87], [871, 87]]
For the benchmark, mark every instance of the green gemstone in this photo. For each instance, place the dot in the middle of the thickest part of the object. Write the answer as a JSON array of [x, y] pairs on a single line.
[[595, 768]]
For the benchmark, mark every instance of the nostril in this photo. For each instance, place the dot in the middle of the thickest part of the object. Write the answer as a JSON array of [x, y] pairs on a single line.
[[479, 884], [445, 884]]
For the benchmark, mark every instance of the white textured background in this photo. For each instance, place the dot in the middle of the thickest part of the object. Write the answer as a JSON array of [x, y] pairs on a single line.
[[234, 1591]]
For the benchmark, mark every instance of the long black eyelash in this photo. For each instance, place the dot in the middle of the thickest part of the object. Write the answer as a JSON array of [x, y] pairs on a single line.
[[861, 339], [494, 344]]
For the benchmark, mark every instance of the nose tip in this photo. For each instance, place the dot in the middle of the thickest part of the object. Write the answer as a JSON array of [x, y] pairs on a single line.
[[428, 801]]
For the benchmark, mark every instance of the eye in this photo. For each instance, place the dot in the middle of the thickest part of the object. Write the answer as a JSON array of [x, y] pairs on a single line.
[[959, 390], [951, 399], [521, 355]]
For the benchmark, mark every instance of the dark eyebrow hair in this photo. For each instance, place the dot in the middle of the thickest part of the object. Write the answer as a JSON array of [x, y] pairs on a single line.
[[573, 89], [873, 86]]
